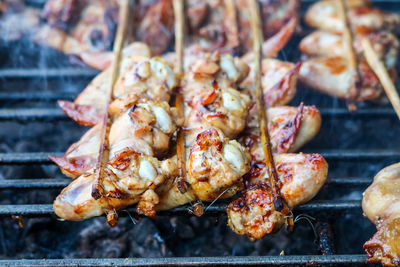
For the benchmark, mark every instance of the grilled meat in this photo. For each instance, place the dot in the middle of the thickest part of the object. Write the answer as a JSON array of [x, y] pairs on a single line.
[[381, 204], [141, 78], [300, 178], [364, 18], [329, 72]]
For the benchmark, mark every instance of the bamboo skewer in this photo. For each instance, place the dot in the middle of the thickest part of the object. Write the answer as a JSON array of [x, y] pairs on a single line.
[[180, 142], [97, 188], [231, 24], [351, 54], [255, 21], [379, 69]]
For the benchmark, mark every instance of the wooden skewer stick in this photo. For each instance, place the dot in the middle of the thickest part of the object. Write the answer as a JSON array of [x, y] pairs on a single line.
[[180, 142], [379, 68], [255, 21], [231, 24], [349, 47], [97, 188]]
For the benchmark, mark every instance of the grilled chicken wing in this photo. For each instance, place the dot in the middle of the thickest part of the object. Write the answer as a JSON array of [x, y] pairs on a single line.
[[129, 176], [146, 127], [364, 18], [76, 26], [381, 204], [320, 43], [300, 178], [141, 78], [289, 128], [215, 113], [216, 166], [211, 97], [330, 74], [279, 19], [278, 80]]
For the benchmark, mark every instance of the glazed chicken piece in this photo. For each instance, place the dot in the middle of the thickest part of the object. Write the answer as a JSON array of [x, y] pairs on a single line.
[[156, 27], [300, 178], [324, 15], [215, 113], [146, 127], [381, 204], [130, 177], [216, 166], [141, 78], [333, 76], [279, 19], [289, 128], [320, 43], [211, 97], [324, 73], [76, 26], [132, 173], [278, 81], [63, 13], [330, 74]]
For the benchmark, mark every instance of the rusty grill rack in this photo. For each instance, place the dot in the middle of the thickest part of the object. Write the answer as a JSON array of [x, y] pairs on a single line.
[[55, 114]]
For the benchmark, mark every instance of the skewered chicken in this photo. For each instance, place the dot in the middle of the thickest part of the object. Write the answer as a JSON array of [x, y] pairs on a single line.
[[86, 29], [300, 177], [152, 80], [217, 110], [364, 18], [330, 72], [381, 204]]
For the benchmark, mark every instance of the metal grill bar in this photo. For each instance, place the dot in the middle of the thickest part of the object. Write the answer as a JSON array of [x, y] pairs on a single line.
[[27, 158], [24, 114], [50, 183], [34, 183], [29, 114], [47, 73], [42, 157], [345, 260], [317, 205], [37, 96]]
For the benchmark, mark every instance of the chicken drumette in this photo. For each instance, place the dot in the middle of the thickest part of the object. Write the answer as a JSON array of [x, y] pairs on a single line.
[[381, 204], [330, 72]]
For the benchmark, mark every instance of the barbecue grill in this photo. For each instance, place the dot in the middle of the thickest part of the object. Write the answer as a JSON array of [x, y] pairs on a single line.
[[356, 146]]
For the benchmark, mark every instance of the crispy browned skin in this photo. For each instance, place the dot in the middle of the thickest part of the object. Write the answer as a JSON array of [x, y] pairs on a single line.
[[300, 177], [381, 204]]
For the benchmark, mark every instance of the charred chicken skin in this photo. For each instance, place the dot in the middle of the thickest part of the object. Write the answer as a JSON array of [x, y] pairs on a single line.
[[329, 72], [381, 204]]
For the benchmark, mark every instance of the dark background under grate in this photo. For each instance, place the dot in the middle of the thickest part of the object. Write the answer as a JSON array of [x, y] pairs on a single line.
[[356, 146]]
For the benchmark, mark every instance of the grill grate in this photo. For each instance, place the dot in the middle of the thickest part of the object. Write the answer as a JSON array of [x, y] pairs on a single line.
[[52, 114], [344, 260]]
